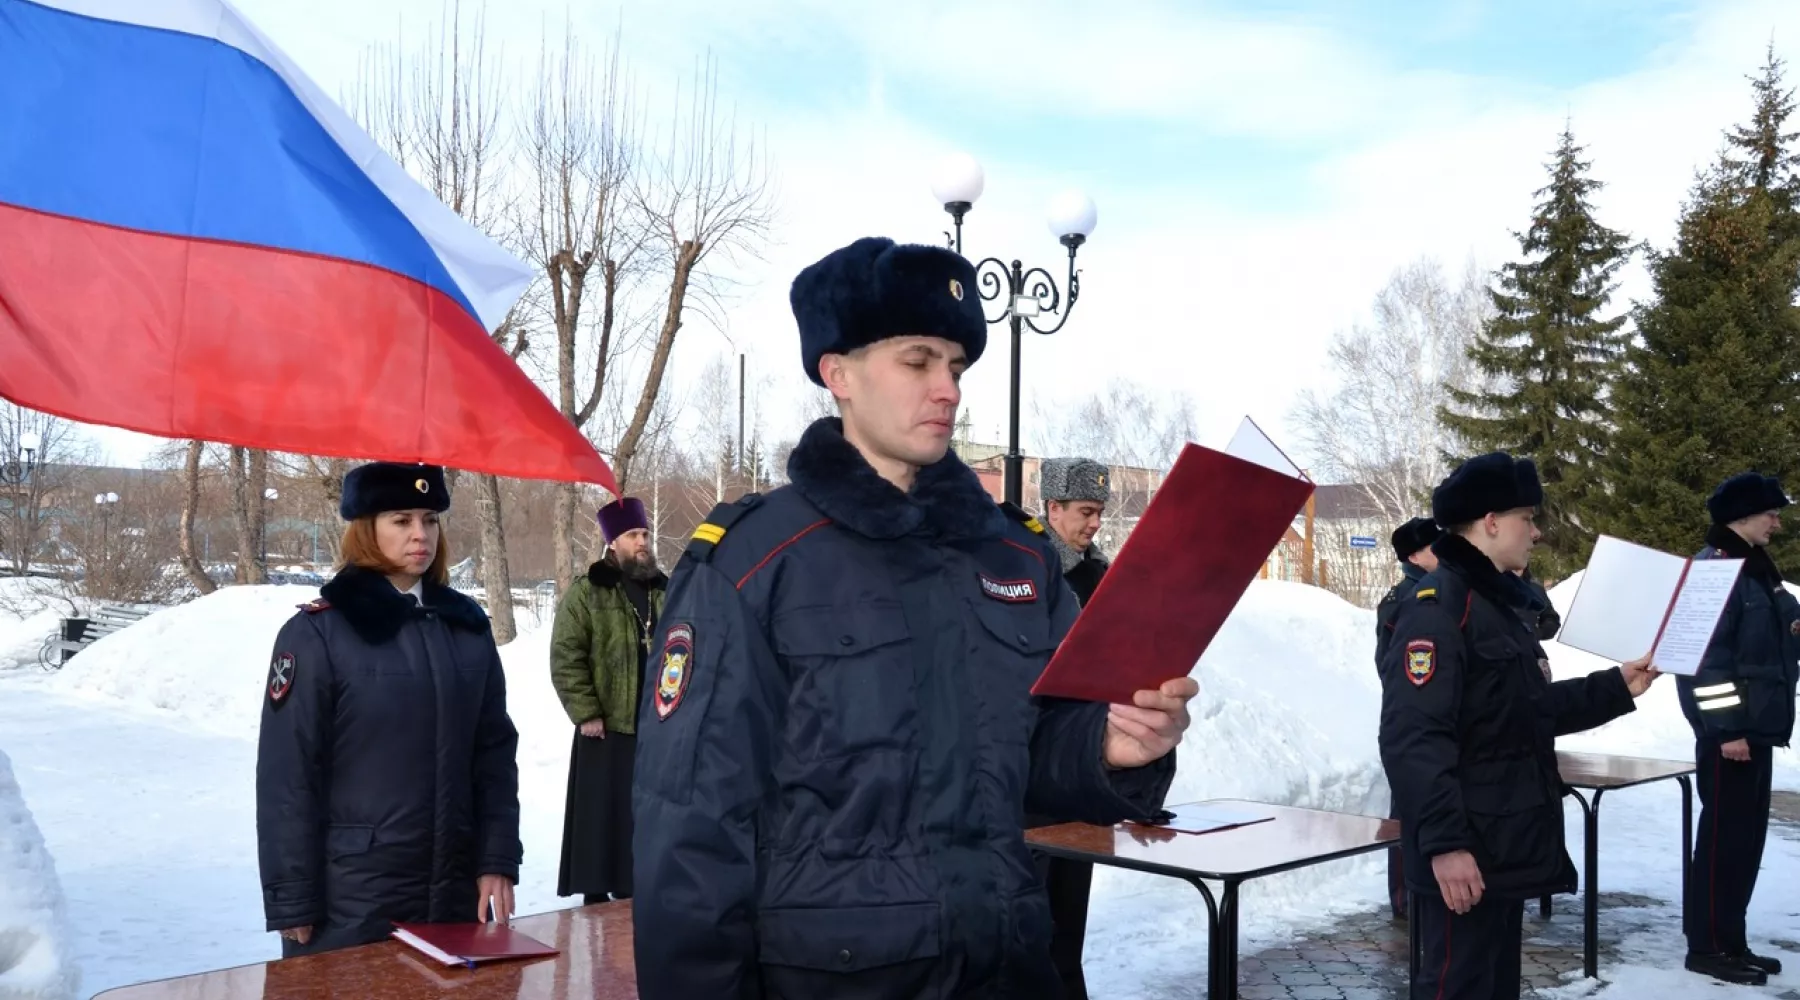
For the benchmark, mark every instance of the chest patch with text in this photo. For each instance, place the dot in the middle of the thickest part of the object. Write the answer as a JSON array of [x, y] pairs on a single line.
[[1010, 591]]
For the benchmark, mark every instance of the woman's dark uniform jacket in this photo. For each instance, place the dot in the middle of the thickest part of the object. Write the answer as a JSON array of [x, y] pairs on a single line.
[[1469, 725], [838, 746], [386, 781]]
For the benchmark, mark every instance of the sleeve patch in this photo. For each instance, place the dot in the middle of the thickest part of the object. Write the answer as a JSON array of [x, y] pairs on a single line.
[[677, 669], [281, 679], [1421, 661]]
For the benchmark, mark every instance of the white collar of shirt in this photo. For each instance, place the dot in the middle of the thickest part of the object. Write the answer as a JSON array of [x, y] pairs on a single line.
[[417, 593]]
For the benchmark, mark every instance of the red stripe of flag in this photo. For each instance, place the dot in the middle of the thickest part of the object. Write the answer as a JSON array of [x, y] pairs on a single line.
[[267, 349]]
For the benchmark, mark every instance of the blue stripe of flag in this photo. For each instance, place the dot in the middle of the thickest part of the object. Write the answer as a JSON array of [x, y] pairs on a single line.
[[170, 133]]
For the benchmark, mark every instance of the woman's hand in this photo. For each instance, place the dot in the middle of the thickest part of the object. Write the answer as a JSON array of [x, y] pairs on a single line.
[[493, 892]]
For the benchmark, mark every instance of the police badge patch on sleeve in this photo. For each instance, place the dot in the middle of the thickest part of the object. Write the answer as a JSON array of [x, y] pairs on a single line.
[[1421, 660], [281, 679], [677, 668]]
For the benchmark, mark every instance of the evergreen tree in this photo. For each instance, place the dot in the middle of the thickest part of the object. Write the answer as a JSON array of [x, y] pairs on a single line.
[[1713, 389], [1549, 354]]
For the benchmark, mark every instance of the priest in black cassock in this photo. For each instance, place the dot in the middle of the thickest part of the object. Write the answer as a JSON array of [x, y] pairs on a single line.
[[599, 646]]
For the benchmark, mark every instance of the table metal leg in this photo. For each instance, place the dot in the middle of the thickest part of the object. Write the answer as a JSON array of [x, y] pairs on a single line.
[[1414, 944], [1228, 937], [1590, 918], [1215, 989], [1687, 836], [1544, 906]]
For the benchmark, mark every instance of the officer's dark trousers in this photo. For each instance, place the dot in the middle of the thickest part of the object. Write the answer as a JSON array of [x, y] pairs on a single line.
[[1734, 823], [1474, 956], [1067, 883]]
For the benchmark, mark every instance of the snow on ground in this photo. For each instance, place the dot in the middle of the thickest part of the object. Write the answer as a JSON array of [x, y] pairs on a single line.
[[138, 759], [22, 631], [35, 961]]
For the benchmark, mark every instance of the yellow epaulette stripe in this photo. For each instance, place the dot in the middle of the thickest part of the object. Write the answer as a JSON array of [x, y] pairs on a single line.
[[1427, 592], [710, 533], [1036, 526]]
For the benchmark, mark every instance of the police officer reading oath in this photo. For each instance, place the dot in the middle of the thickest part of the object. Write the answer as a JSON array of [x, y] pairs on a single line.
[[1741, 707], [1469, 721], [386, 786], [839, 746]]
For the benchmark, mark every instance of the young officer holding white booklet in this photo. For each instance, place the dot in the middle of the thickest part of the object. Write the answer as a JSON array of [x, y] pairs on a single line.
[[1741, 707]]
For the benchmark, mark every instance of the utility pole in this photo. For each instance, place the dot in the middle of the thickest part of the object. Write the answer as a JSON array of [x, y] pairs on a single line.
[[740, 446]]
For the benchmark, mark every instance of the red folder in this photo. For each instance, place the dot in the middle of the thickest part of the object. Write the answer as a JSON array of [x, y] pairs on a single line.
[[471, 943], [1182, 570]]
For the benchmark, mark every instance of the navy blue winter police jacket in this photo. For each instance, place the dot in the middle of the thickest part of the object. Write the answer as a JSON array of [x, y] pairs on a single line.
[[1469, 721], [386, 780], [838, 747], [1754, 650]]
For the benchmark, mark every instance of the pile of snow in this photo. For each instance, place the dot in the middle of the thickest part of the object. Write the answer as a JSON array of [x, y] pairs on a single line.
[[22, 636], [204, 661], [1288, 711], [35, 959]]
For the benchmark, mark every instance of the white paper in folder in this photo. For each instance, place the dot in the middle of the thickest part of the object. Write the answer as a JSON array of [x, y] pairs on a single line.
[[1635, 600]]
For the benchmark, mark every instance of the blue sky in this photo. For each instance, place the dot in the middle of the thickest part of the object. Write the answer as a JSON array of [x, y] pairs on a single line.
[[1260, 168]]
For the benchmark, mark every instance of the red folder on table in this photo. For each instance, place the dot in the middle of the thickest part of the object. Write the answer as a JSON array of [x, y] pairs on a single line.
[[1200, 543], [471, 943]]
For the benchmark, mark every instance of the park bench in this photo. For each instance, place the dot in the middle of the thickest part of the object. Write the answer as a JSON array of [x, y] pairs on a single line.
[[74, 634]]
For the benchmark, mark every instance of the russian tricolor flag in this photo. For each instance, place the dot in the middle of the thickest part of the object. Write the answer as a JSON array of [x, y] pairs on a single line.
[[196, 242]]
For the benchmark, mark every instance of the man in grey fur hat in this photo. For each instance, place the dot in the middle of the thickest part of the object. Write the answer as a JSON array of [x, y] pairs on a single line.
[[1075, 492]]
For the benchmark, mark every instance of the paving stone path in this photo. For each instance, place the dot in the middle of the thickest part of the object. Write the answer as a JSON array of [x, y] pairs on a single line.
[[1364, 957]]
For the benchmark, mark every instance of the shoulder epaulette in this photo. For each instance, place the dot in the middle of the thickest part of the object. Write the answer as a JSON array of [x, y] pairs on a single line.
[[314, 607], [1024, 517], [1426, 593], [718, 521]]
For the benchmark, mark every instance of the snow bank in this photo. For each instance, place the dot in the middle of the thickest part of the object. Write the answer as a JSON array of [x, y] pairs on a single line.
[[1288, 710], [204, 661], [22, 637], [35, 960]]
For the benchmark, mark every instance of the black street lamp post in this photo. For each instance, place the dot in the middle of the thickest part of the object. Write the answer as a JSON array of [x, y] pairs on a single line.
[[1028, 294], [17, 468]]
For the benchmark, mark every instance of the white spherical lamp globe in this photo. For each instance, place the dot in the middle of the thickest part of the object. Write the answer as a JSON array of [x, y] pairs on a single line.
[[957, 178], [1072, 214]]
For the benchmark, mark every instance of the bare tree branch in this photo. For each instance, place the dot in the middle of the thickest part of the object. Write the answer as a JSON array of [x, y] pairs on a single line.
[[1378, 428], [709, 203]]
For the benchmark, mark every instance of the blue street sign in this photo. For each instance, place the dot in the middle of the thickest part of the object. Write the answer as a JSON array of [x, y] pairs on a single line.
[[1362, 542]]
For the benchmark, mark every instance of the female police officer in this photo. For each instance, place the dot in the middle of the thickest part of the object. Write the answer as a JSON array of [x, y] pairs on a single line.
[[386, 785], [838, 745]]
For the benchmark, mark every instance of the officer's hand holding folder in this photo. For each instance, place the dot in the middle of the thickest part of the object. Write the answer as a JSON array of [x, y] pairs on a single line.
[[1206, 533]]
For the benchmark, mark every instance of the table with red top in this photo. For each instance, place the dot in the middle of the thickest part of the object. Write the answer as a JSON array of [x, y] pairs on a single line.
[[1294, 838], [594, 963]]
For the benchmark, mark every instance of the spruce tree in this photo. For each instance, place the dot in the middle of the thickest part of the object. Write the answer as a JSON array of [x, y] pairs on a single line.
[[1549, 354], [1713, 388]]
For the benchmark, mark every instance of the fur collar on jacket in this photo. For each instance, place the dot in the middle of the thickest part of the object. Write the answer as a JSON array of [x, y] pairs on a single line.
[[376, 611], [606, 575], [1486, 579], [1071, 558], [1757, 562], [947, 498]]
